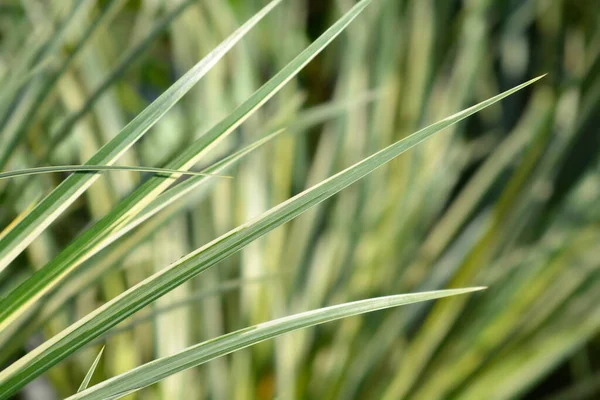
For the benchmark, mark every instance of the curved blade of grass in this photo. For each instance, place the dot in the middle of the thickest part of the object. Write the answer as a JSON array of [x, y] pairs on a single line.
[[99, 168], [90, 373], [158, 370], [66, 193], [86, 245], [137, 297]]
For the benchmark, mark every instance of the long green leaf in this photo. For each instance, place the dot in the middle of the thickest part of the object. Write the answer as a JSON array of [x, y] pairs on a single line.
[[158, 370], [90, 373], [98, 168], [55, 203], [137, 297]]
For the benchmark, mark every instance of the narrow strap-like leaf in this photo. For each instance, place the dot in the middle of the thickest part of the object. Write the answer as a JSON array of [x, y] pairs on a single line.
[[98, 169], [90, 373], [158, 370]]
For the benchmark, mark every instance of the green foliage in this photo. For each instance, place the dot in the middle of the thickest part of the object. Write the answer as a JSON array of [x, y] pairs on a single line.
[[355, 177]]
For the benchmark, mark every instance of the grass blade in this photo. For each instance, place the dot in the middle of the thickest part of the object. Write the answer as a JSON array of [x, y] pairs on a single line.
[[137, 297], [86, 381], [157, 370], [99, 168]]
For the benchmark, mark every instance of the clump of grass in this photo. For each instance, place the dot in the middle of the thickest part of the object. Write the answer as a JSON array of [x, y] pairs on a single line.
[[311, 229]]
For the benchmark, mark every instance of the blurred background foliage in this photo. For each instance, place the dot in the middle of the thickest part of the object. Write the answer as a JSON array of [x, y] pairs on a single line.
[[509, 199]]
